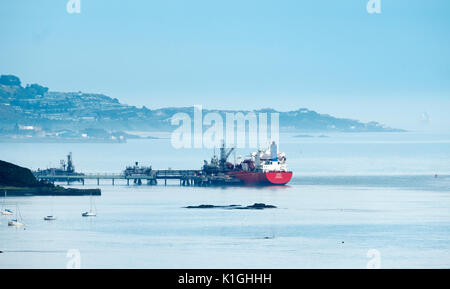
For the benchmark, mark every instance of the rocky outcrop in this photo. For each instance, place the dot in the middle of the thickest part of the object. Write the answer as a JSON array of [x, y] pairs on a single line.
[[19, 181], [15, 176], [255, 206]]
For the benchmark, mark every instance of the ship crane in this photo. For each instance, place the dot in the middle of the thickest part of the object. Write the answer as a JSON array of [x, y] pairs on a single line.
[[224, 154]]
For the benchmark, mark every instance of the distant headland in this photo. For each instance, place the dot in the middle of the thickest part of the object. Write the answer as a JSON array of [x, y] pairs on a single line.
[[34, 113]]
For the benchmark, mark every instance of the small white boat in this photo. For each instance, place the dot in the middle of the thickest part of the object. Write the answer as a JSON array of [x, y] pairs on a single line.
[[15, 223], [7, 212], [91, 212], [88, 214], [49, 218]]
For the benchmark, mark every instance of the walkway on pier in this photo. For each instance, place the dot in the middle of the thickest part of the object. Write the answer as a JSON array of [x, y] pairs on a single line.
[[186, 178], [151, 178]]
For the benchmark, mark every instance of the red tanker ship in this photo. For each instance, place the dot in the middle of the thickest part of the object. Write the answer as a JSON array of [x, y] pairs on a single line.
[[263, 167]]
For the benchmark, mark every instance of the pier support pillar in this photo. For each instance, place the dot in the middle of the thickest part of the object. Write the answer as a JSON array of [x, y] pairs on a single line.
[[128, 182], [113, 181], [82, 181], [98, 182], [165, 182]]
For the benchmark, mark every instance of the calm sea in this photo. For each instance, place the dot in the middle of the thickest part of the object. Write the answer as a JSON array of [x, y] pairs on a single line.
[[352, 194]]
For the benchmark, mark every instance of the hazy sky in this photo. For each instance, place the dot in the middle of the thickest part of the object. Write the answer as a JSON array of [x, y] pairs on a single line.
[[327, 55]]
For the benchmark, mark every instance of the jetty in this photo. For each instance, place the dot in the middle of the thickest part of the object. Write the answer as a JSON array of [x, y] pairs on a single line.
[[185, 177]]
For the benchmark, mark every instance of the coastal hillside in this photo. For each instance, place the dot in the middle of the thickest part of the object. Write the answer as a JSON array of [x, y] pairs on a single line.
[[33, 111]]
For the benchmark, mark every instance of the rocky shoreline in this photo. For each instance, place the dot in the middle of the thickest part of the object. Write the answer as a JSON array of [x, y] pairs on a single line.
[[255, 206], [57, 191], [19, 181]]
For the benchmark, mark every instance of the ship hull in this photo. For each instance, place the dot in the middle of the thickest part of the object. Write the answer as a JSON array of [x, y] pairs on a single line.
[[261, 178]]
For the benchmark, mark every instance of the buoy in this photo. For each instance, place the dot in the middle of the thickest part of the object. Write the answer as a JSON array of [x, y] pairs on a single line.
[[435, 176]]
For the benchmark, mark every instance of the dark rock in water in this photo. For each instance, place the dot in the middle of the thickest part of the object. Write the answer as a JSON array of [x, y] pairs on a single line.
[[200, 207], [210, 206], [258, 206], [255, 206]]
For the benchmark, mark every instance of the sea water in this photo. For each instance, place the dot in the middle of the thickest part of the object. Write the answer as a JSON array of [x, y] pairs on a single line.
[[351, 195]]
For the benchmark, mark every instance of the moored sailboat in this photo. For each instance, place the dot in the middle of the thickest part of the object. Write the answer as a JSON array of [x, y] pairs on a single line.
[[50, 217], [91, 212], [4, 211], [17, 222]]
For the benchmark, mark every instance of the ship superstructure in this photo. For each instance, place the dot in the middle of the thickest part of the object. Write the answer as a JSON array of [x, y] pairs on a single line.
[[67, 169]]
